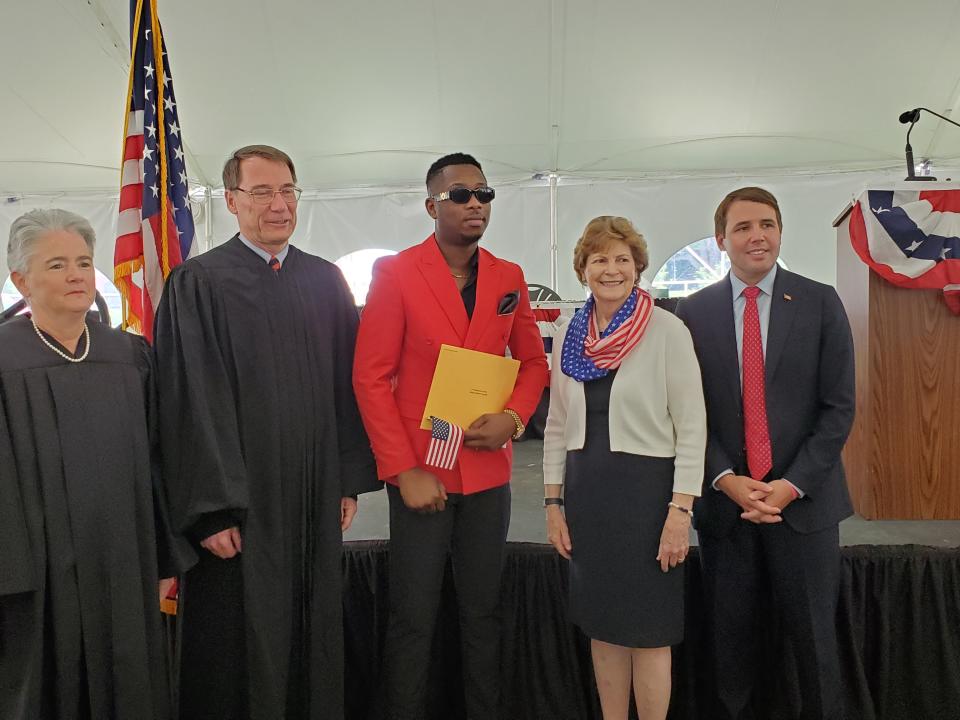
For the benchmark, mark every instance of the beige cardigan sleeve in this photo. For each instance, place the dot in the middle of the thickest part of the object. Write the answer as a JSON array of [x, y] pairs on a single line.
[[554, 436], [686, 407]]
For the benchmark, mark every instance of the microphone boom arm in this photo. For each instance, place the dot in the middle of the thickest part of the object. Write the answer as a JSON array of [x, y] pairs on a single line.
[[912, 116]]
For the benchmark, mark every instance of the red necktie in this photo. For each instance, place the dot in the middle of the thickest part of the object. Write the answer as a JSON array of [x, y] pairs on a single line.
[[755, 430], [274, 263]]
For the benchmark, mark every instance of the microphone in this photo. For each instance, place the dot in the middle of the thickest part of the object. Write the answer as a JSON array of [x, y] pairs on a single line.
[[911, 168], [911, 117]]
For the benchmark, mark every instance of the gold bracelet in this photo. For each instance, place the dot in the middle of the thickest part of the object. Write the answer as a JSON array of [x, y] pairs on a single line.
[[516, 421]]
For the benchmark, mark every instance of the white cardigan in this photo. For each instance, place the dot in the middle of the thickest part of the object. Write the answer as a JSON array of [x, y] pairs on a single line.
[[656, 406]]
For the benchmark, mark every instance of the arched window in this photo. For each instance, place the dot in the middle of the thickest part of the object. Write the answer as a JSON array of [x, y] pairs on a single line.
[[9, 295], [699, 264], [357, 268]]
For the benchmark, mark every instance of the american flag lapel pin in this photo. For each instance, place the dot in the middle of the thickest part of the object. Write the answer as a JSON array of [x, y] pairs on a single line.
[[787, 297]]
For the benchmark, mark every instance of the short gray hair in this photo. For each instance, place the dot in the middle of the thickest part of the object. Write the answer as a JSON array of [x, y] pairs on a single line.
[[30, 227]]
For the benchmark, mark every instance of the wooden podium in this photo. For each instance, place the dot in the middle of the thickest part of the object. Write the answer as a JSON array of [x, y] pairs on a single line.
[[903, 456]]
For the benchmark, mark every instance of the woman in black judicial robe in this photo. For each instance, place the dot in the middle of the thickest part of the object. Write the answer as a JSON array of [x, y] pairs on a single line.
[[80, 629]]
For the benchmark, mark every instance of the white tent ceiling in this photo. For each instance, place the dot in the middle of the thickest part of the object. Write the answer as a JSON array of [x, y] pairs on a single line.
[[368, 92]]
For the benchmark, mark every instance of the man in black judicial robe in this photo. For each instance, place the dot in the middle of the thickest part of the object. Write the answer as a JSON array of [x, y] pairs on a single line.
[[263, 449], [81, 530]]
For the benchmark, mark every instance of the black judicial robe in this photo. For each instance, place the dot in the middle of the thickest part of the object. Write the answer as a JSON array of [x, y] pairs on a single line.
[[81, 529], [261, 430]]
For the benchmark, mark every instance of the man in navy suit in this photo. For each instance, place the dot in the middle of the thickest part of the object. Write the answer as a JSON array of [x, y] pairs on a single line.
[[776, 355]]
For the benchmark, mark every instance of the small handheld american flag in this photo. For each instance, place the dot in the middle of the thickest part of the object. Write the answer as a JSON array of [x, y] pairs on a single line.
[[446, 440]]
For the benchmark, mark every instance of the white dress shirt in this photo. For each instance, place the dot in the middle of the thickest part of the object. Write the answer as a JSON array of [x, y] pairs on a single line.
[[281, 256], [763, 310]]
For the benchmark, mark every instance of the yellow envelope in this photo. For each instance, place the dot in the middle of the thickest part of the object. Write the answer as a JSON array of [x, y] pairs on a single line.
[[467, 384]]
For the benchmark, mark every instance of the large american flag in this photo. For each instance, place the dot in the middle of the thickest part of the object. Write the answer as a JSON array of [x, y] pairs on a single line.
[[445, 441], [155, 231], [911, 238]]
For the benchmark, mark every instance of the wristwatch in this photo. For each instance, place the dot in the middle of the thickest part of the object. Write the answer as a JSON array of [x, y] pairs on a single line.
[[517, 421]]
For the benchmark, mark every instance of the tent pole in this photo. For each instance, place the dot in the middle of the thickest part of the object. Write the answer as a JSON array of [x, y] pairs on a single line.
[[207, 218], [554, 248]]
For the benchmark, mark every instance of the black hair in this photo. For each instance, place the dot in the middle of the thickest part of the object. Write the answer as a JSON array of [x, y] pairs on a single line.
[[451, 159]]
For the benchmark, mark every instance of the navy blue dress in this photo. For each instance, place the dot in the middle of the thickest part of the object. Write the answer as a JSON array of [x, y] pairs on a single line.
[[616, 504]]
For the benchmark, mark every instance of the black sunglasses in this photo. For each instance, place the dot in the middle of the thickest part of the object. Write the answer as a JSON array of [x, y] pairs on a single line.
[[461, 196]]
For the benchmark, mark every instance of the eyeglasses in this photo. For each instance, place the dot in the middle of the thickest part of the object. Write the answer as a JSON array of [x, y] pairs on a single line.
[[461, 196], [264, 196]]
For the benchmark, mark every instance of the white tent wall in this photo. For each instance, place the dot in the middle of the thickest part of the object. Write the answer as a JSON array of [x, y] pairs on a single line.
[[670, 213], [332, 227]]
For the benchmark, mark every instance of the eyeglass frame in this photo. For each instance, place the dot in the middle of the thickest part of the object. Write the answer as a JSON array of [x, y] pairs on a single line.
[[297, 191], [445, 195]]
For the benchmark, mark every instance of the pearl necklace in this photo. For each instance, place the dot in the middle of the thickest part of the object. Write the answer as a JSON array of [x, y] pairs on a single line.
[[58, 351]]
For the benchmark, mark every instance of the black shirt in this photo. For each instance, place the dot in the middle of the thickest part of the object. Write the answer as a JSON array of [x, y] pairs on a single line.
[[469, 291]]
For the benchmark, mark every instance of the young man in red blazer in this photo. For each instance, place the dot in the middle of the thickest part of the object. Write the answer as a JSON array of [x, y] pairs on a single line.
[[445, 290]]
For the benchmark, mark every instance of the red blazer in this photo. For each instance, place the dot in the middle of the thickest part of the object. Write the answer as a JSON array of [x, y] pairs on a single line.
[[413, 308]]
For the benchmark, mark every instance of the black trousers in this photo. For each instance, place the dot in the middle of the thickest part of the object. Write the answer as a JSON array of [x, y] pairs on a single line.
[[762, 574], [473, 529]]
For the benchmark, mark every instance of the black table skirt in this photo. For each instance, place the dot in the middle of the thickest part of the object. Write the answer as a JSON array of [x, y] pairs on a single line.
[[898, 620]]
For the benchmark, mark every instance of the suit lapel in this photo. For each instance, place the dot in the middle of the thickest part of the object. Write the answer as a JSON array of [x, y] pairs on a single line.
[[725, 333], [782, 311], [485, 309], [437, 276]]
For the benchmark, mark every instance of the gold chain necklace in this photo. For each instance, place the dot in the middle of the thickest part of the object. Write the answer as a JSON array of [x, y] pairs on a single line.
[[459, 277], [86, 351]]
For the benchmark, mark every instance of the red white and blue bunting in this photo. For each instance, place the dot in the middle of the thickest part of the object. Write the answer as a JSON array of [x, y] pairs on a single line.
[[911, 238]]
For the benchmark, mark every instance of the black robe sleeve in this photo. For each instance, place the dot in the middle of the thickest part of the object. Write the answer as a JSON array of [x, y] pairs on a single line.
[[358, 472], [203, 465], [174, 553], [17, 571]]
